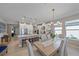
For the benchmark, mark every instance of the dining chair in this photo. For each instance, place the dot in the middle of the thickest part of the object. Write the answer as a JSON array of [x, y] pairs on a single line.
[[30, 48], [63, 48]]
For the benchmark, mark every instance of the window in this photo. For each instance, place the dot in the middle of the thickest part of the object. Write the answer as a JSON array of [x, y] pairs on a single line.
[[72, 29], [58, 30], [2, 27], [58, 27]]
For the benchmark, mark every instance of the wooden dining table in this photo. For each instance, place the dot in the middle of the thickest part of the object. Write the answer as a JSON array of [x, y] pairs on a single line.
[[48, 50]]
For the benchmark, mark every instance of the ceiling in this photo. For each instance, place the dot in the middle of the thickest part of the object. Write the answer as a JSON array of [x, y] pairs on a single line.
[[36, 12]]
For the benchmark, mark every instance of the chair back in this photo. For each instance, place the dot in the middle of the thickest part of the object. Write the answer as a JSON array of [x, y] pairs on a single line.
[[44, 37], [30, 48], [63, 48]]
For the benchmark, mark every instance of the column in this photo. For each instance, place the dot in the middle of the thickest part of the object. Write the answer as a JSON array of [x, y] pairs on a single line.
[[9, 29], [52, 27], [63, 29]]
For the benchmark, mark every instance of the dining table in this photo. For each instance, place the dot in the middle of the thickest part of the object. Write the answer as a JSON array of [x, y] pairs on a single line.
[[48, 50]]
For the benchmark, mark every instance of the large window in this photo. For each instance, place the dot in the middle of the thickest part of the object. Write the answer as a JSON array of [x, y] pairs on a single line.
[[72, 29]]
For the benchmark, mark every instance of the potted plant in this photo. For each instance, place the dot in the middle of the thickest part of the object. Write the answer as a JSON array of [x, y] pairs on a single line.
[[52, 35]]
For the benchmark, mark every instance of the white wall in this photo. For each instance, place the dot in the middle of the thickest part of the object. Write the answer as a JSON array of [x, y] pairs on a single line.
[[3, 21], [72, 17]]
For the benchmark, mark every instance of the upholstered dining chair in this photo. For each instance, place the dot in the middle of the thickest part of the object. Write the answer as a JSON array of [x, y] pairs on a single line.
[[63, 48], [30, 48], [43, 37]]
